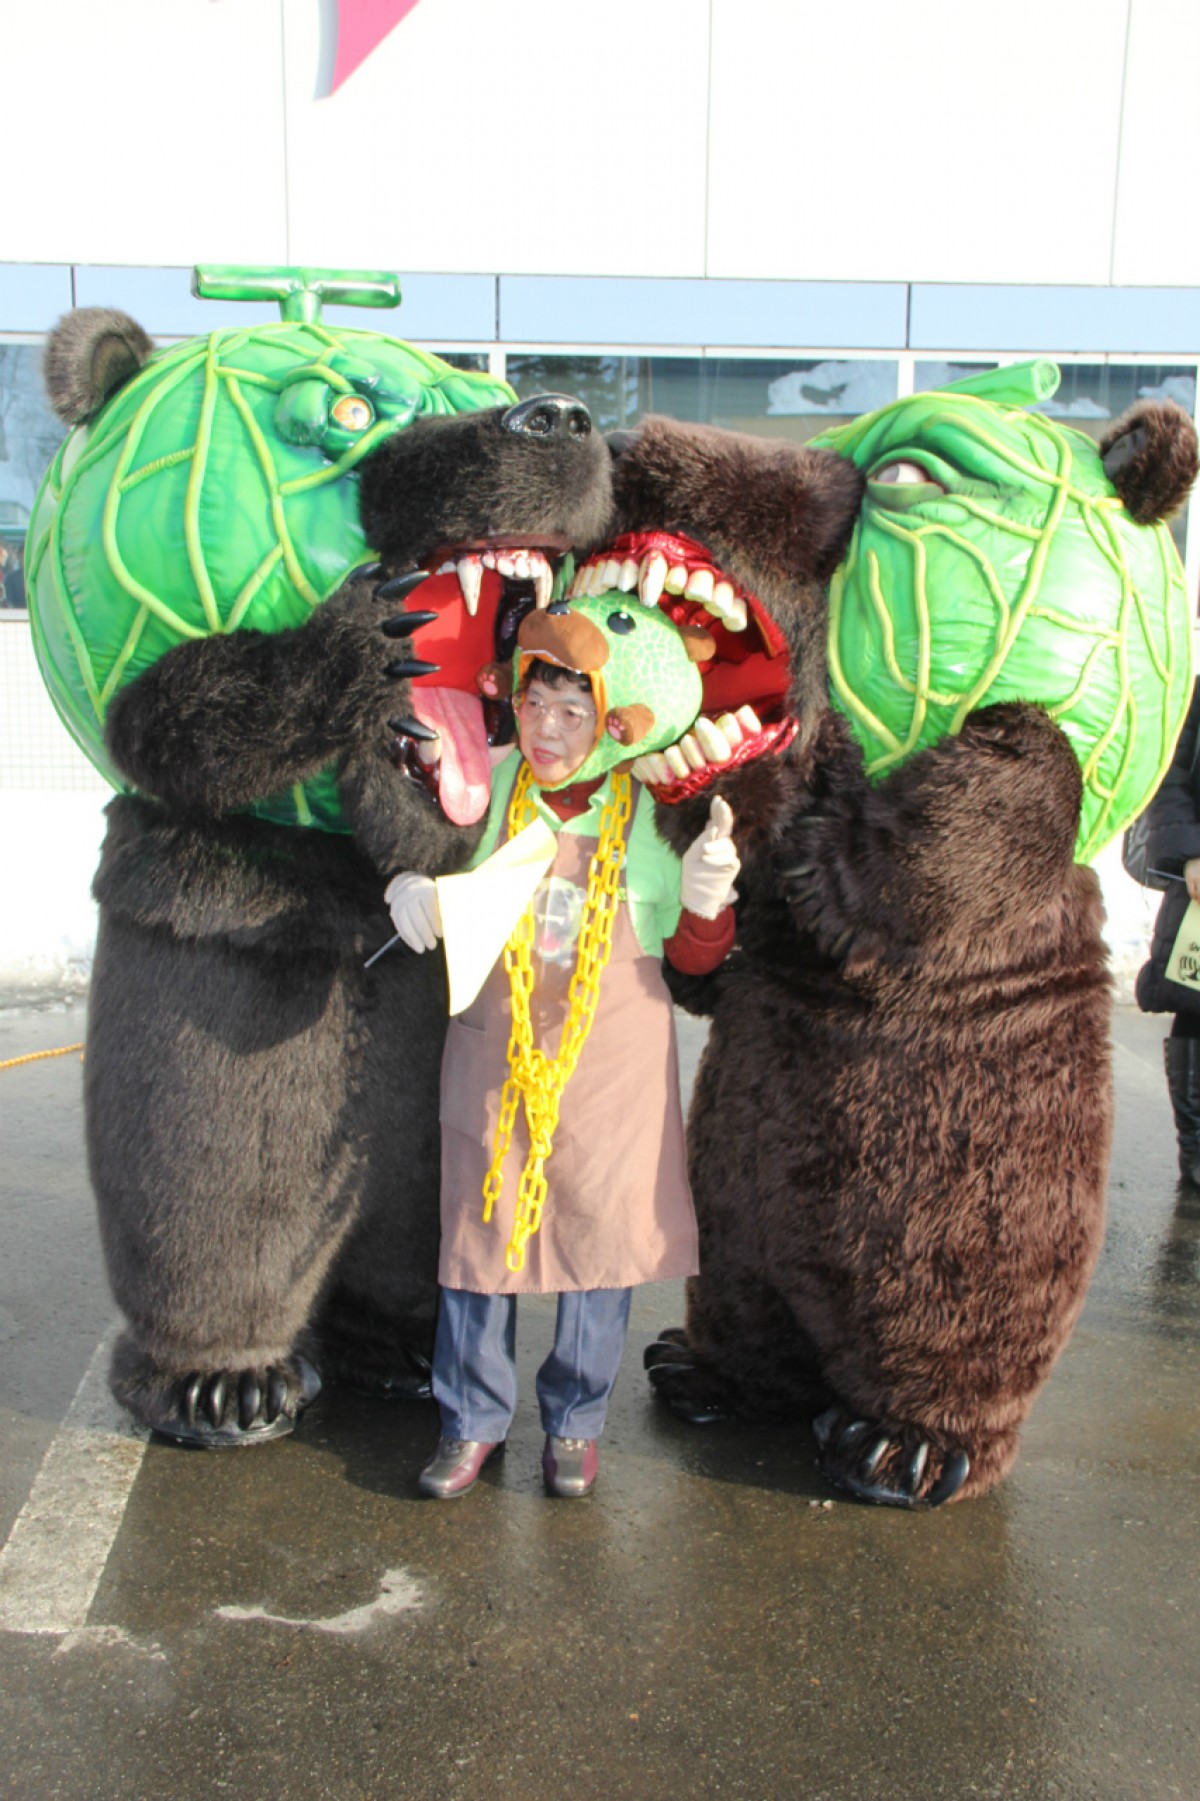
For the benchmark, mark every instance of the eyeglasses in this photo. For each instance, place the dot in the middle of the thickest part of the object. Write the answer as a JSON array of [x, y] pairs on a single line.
[[573, 716]]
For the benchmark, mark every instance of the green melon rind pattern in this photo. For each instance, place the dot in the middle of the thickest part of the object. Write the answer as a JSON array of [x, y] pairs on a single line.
[[88, 669], [1112, 797]]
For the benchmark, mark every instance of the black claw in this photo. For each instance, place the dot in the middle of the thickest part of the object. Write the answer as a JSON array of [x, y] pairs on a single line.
[[854, 1434], [191, 1400], [412, 728], [874, 1457], [367, 572], [673, 1335], [823, 1425], [914, 1469], [955, 1471], [407, 667], [659, 1373], [214, 1405], [401, 586], [249, 1400], [404, 623], [277, 1393]]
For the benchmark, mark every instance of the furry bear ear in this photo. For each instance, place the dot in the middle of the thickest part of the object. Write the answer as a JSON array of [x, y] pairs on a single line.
[[89, 354], [1150, 457]]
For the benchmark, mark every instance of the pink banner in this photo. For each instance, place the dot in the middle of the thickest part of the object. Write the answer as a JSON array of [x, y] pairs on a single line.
[[361, 25]]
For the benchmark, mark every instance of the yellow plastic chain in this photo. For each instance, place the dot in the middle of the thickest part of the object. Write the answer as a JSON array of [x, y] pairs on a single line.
[[534, 1077]]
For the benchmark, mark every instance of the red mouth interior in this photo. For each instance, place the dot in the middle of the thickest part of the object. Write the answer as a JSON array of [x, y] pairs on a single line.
[[750, 668]]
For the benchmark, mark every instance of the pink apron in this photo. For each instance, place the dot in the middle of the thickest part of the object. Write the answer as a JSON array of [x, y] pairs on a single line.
[[618, 1210]]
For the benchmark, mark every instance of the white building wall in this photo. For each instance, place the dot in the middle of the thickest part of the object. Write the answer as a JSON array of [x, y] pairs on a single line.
[[1001, 141]]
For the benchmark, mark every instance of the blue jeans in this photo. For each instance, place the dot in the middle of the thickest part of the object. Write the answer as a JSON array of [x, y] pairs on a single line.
[[474, 1363]]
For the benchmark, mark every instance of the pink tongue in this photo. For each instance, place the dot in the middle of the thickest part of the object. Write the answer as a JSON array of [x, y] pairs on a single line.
[[464, 780]]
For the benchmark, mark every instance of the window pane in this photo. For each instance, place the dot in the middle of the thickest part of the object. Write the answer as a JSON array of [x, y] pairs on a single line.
[[781, 397], [29, 436], [1091, 395], [462, 359], [937, 375]]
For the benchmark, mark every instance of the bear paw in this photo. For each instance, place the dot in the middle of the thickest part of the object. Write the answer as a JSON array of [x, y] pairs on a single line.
[[861, 1457], [680, 1377], [216, 1410]]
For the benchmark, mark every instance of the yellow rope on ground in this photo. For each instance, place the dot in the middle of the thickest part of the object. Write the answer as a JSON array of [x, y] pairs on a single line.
[[36, 1056]]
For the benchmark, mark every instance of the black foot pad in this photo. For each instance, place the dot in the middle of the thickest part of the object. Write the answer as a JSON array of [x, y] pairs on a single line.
[[691, 1388], [219, 1410], [859, 1456]]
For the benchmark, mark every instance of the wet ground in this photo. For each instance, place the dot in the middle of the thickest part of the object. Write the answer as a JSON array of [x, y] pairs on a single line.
[[294, 1621]]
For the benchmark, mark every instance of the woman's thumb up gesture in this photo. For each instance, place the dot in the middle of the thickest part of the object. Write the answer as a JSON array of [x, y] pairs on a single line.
[[710, 864]]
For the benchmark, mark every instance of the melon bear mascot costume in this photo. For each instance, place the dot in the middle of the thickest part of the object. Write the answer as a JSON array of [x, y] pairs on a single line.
[[967, 630], [261, 1108]]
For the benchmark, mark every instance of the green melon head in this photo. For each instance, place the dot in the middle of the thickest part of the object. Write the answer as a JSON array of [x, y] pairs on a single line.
[[994, 560], [217, 487], [642, 667]]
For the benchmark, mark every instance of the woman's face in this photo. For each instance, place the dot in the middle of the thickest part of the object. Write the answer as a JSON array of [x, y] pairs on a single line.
[[556, 728]]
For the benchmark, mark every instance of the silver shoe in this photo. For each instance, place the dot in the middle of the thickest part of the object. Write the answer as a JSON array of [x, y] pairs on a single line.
[[455, 1466], [569, 1465]]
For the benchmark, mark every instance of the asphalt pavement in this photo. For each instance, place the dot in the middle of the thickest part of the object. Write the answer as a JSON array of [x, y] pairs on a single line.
[[294, 1621]]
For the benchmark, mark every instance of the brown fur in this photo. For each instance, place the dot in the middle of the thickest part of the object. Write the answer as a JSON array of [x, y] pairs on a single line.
[[88, 355], [899, 1133], [1150, 456]]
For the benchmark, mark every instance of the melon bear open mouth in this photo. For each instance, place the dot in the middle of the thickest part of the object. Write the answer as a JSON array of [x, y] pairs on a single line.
[[743, 714], [473, 602]]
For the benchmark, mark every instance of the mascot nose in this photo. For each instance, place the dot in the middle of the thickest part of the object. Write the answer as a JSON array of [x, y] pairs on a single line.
[[548, 416]]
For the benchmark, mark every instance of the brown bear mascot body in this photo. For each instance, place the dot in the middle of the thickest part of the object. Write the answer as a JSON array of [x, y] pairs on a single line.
[[261, 1109], [900, 1130]]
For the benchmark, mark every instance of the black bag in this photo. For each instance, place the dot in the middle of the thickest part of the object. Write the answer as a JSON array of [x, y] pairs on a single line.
[[1134, 856], [1134, 845]]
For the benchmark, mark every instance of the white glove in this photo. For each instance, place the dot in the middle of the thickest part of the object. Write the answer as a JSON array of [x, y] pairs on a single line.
[[413, 904], [710, 865]]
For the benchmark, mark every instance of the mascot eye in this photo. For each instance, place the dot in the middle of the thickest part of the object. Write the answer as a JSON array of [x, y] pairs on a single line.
[[621, 623], [906, 474], [352, 412]]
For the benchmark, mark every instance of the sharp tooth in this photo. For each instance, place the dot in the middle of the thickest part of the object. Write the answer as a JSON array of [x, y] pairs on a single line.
[[505, 564], [732, 730], [447, 568], [641, 770], [676, 761], [611, 575], [722, 596], [661, 769], [543, 582], [628, 579], [749, 721], [521, 566], [470, 579], [430, 752], [488, 559], [736, 618], [596, 579], [692, 751], [652, 577], [700, 585], [712, 742], [676, 579]]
